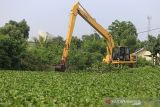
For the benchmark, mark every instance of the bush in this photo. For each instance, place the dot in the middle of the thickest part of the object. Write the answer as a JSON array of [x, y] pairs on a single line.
[[141, 62], [37, 60], [101, 67]]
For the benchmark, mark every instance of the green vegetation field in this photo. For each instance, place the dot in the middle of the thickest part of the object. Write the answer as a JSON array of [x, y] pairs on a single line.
[[76, 88]]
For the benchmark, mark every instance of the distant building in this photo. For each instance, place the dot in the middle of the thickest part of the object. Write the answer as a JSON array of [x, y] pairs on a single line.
[[144, 54]]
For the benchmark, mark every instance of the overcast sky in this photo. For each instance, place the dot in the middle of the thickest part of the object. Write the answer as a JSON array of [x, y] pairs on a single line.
[[53, 15]]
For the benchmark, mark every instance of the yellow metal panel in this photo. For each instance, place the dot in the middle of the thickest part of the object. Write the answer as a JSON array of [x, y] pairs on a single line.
[[70, 31]]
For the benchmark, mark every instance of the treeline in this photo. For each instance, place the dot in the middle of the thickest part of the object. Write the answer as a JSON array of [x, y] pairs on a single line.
[[17, 53]]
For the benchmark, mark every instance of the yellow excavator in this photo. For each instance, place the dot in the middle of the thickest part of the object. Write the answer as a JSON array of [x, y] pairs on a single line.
[[115, 55]]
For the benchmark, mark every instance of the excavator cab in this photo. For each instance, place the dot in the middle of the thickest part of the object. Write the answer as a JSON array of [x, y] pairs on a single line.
[[121, 53]]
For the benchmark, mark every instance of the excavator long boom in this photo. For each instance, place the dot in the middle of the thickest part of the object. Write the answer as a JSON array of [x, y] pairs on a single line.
[[78, 9]]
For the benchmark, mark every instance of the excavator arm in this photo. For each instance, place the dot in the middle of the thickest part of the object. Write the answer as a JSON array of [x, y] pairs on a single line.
[[78, 9]]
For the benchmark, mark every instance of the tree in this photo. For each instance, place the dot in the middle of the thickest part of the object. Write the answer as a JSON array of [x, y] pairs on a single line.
[[83, 53], [58, 40], [94, 43], [76, 43], [124, 33], [44, 54], [42, 41], [16, 29], [158, 38], [13, 44], [152, 41]]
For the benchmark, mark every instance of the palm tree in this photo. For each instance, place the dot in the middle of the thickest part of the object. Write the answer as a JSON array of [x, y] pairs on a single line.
[[43, 40]]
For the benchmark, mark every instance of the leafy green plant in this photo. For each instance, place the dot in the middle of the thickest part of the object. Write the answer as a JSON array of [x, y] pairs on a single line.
[[141, 62], [76, 88]]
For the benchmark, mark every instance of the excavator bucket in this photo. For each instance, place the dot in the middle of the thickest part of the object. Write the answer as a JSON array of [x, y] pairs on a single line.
[[60, 68]]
